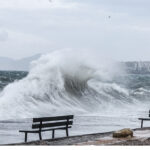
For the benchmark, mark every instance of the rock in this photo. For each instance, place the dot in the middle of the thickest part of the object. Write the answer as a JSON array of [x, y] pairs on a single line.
[[123, 133]]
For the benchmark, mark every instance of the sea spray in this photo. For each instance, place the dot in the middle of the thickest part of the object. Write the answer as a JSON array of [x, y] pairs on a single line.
[[68, 82]]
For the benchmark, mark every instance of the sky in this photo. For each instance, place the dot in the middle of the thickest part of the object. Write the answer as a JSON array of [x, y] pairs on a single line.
[[119, 29]]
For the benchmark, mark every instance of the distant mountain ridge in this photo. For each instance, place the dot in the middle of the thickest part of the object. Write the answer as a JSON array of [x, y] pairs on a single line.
[[17, 65]]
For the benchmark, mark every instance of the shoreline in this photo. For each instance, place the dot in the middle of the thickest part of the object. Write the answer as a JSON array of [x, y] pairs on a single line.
[[140, 137]]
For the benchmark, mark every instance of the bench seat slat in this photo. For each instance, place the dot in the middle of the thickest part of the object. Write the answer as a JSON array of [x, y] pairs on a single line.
[[52, 118], [144, 118], [37, 131], [29, 131], [63, 128], [55, 124]]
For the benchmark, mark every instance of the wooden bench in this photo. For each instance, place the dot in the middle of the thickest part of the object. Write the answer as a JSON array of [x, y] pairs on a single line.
[[50, 124], [144, 119]]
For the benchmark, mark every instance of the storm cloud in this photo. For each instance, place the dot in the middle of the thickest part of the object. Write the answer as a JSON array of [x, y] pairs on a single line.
[[119, 29]]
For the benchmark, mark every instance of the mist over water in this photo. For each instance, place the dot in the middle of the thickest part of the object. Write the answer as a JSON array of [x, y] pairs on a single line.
[[75, 82]]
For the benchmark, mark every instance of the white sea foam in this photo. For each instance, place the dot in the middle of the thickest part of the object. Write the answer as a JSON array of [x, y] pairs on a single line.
[[64, 82]]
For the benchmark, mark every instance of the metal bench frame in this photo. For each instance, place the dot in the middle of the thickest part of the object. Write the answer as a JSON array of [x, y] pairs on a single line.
[[144, 119], [50, 124]]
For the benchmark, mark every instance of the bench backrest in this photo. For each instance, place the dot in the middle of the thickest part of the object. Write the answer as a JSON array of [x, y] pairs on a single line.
[[48, 122]]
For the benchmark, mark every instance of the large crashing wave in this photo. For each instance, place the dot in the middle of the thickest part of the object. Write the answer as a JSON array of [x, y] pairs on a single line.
[[66, 82]]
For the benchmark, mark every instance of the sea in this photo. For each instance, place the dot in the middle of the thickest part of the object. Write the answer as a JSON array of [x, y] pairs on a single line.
[[103, 95]]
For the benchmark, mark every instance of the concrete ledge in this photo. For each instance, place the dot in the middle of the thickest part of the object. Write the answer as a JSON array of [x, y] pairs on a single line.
[[140, 136]]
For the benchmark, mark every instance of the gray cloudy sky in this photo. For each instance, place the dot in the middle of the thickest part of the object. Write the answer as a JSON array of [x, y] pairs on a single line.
[[28, 27]]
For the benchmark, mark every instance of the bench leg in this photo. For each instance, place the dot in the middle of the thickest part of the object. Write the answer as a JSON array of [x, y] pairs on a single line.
[[67, 134], [26, 134], [141, 123], [53, 134], [40, 136]]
